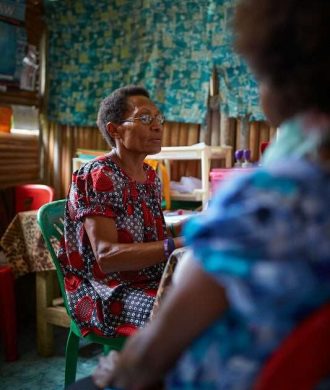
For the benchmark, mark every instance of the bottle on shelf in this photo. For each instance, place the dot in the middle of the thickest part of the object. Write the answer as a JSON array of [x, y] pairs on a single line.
[[238, 158], [246, 158]]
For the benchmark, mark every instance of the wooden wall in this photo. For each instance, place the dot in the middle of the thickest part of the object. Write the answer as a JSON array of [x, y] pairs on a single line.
[[19, 159], [59, 144]]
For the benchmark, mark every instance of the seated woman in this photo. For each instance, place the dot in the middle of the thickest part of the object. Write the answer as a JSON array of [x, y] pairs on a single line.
[[260, 259], [115, 239]]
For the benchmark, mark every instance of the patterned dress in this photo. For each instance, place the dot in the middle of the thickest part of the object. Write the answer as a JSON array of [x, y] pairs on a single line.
[[120, 302], [266, 239]]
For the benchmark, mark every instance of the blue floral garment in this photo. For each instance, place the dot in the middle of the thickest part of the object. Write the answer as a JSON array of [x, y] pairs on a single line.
[[266, 239]]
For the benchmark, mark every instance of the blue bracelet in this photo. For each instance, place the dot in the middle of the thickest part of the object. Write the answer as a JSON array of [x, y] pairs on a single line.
[[169, 247]]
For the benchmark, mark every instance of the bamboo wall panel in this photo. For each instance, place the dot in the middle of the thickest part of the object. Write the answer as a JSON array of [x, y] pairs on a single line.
[[254, 140], [61, 142], [257, 132], [19, 159], [182, 134]]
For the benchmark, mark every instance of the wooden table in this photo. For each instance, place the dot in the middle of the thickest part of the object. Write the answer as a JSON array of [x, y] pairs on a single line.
[[25, 252]]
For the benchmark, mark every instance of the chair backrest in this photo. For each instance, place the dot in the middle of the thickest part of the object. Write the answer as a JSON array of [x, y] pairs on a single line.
[[32, 196], [50, 219], [303, 359]]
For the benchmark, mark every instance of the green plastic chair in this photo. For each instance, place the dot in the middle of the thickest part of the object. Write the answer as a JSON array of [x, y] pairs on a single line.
[[50, 219]]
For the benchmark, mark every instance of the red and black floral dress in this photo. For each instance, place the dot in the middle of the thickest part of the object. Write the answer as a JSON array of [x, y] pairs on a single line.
[[120, 302]]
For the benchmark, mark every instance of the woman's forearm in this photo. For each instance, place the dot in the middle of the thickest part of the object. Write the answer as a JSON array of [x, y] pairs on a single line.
[[113, 256], [149, 354]]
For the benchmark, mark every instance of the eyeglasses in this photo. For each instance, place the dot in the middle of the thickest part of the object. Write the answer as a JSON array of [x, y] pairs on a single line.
[[147, 119]]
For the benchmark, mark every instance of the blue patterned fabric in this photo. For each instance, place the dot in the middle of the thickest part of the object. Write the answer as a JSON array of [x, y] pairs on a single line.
[[266, 239], [168, 46], [238, 88]]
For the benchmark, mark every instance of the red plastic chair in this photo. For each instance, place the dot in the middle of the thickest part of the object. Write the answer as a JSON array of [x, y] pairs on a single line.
[[303, 359], [27, 197], [32, 196]]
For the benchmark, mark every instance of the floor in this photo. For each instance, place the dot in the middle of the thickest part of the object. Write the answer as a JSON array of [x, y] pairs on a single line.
[[30, 371]]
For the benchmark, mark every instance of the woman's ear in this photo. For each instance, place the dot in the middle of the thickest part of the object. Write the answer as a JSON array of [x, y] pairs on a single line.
[[113, 130]]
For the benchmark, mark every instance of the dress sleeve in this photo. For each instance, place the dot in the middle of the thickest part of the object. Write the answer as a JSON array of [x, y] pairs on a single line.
[[95, 191], [252, 240]]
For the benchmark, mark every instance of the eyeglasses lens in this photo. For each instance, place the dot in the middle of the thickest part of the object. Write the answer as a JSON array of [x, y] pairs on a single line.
[[147, 119]]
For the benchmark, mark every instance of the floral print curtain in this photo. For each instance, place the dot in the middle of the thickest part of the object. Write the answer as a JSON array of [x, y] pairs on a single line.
[[239, 95], [169, 46]]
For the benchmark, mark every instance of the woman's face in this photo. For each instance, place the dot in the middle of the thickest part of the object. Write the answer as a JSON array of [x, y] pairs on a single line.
[[135, 135]]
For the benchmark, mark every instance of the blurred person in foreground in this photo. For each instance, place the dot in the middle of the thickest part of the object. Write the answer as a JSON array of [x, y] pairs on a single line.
[[115, 239], [260, 257]]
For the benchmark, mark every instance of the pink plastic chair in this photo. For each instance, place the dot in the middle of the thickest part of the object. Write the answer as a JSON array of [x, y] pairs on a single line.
[[32, 196]]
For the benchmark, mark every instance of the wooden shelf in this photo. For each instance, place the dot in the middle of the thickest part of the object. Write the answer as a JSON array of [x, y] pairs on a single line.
[[196, 195], [25, 98], [200, 152]]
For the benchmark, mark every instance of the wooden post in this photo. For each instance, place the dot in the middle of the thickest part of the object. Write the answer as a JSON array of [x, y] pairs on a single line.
[[44, 296], [244, 132]]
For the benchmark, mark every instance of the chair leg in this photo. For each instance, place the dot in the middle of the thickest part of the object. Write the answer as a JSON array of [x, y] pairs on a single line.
[[106, 349], [8, 313], [71, 358]]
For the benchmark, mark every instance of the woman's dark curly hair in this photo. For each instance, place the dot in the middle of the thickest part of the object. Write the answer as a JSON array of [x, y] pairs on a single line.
[[286, 43], [114, 107]]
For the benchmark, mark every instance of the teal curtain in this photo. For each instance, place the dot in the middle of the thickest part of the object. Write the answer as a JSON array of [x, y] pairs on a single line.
[[238, 88], [166, 45]]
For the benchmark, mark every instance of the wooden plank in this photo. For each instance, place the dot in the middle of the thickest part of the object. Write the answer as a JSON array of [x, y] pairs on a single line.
[[25, 98], [254, 140], [193, 167], [215, 126], [19, 167], [57, 316], [238, 134], [19, 159], [264, 132], [232, 132], [193, 134], [7, 155], [183, 139], [225, 130], [243, 133], [174, 140], [272, 132]]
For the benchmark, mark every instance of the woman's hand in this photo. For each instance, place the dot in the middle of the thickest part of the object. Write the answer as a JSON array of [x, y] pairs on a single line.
[[122, 371], [153, 350], [103, 373]]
